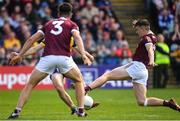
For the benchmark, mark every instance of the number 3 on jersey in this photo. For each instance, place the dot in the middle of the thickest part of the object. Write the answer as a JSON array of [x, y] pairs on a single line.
[[58, 27]]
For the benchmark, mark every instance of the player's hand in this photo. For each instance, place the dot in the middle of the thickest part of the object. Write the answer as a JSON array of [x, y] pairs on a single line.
[[86, 60], [12, 54], [151, 65], [15, 59], [91, 58]]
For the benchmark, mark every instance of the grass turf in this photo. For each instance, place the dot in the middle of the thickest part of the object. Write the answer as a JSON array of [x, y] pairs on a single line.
[[115, 105]]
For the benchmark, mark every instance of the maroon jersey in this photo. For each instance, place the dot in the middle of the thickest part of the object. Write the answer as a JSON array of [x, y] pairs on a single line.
[[141, 54], [57, 34]]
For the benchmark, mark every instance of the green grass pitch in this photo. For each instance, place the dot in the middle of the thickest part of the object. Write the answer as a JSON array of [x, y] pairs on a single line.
[[115, 105]]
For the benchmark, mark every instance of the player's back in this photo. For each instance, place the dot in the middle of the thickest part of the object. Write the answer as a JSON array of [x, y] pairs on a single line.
[[57, 34]]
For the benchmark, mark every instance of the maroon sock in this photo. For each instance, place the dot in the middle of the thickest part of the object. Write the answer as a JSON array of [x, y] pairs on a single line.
[[87, 88], [80, 110], [166, 103]]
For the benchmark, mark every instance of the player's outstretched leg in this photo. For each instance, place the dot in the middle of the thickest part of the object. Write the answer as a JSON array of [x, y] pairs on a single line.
[[140, 94], [58, 83], [118, 73], [34, 79]]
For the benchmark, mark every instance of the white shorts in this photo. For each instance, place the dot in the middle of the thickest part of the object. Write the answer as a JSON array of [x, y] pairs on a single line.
[[137, 71], [48, 64]]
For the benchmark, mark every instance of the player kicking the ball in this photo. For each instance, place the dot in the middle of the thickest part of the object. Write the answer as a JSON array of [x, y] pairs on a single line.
[[137, 69], [57, 34]]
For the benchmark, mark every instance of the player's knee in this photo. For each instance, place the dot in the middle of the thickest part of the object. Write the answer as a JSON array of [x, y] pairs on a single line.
[[141, 102], [106, 75], [79, 79]]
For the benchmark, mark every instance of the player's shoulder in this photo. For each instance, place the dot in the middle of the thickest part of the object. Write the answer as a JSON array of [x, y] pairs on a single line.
[[68, 20], [150, 38], [49, 22], [72, 23]]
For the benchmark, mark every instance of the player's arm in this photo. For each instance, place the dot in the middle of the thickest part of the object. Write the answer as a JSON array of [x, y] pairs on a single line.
[[80, 45], [79, 42], [31, 51], [150, 50], [87, 54], [34, 49], [34, 38]]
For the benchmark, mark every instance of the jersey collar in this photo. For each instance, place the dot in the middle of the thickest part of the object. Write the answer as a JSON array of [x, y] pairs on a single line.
[[63, 18]]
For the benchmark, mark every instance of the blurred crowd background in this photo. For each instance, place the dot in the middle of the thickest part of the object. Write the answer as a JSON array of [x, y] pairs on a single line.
[[165, 17], [102, 33]]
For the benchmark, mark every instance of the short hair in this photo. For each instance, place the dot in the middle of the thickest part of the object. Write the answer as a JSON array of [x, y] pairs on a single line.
[[142, 22], [65, 8]]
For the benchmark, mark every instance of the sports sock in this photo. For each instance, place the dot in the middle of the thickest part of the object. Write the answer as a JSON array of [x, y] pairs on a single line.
[[17, 111], [80, 110], [166, 103], [172, 104], [73, 110], [87, 88], [146, 102]]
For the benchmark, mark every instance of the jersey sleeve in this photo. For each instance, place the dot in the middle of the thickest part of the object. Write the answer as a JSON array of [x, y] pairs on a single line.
[[150, 40], [147, 40], [74, 27], [42, 30]]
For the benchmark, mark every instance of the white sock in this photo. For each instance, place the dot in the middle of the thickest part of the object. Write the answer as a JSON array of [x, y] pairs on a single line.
[[146, 102], [18, 109], [80, 107]]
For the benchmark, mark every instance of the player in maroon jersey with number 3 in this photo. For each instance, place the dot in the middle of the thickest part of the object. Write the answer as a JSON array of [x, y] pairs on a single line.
[[57, 34], [137, 69]]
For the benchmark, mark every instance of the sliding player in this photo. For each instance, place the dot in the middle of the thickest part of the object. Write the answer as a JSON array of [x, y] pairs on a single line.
[[137, 69]]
